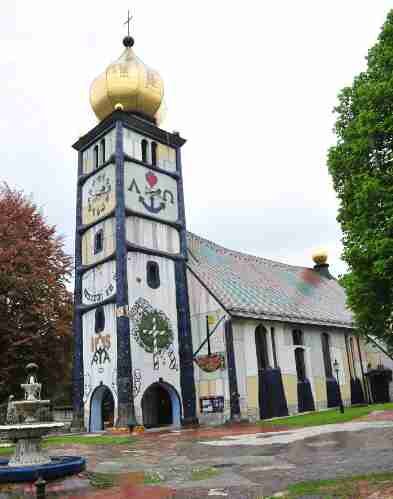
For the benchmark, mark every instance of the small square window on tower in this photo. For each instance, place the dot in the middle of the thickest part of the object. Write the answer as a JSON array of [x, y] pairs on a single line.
[[153, 275], [98, 241]]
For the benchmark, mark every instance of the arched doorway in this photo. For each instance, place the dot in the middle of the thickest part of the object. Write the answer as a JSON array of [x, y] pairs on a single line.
[[102, 409], [160, 405]]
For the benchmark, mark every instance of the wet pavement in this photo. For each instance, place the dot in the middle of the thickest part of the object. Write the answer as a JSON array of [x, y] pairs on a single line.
[[241, 461]]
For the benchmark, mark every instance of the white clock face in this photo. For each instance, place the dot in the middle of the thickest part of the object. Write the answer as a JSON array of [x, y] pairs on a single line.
[[99, 284], [99, 195]]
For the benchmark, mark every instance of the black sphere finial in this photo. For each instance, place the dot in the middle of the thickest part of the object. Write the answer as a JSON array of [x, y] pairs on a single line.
[[128, 41]]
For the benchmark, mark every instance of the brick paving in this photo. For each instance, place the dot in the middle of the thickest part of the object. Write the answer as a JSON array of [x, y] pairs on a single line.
[[233, 461]]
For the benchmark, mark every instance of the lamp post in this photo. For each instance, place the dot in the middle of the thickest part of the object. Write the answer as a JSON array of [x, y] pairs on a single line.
[[336, 367]]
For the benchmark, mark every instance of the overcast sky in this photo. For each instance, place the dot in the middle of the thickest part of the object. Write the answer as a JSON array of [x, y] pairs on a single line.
[[251, 85]]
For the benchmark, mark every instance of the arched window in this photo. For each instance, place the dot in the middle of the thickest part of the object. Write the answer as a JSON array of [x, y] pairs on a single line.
[[261, 347], [352, 356], [153, 275], [273, 337], [326, 355], [96, 156], [98, 241], [300, 364], [297, 336], [103, 151], [154, 153], [99, 320], [144, 150]]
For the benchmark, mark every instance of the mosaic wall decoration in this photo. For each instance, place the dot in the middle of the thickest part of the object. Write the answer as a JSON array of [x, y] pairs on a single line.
[[152, 330], [150, 193]]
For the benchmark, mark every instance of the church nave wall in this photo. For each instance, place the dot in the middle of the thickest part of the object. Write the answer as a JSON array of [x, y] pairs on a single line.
[[208, 384]]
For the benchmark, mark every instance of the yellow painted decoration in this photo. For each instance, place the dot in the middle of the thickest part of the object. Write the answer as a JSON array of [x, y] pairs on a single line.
[[252, 392], [290, 388], [129, 85], [211, 320], [320, 389], [203, 388]]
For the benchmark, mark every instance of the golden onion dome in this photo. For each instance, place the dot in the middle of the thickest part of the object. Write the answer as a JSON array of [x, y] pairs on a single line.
[[320, 257], [128, 84]]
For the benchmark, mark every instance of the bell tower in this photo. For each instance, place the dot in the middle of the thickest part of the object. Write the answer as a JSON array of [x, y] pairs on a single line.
[[132, 333]]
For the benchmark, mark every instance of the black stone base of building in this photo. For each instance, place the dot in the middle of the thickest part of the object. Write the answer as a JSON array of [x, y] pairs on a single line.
[[357, 395], [78, 423], [305, 397], [190, 422], [379, 380], [125, 418], [272, 401], [333, 393]]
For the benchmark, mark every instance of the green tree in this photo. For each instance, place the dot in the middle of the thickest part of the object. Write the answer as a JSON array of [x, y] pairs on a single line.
[[35, 305], [361, 165]]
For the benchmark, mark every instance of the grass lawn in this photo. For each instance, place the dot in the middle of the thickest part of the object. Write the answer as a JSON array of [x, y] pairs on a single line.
[[331, 416], [344, 488], [77, 440]]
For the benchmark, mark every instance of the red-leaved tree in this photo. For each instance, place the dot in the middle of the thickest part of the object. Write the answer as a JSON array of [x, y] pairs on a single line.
[[35, 305]]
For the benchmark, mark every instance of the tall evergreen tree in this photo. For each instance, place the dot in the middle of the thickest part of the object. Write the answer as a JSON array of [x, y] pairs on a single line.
[[35, 305], [361, 164]]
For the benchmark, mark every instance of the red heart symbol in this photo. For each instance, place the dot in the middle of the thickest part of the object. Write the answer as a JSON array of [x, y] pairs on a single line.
[[151, 179]]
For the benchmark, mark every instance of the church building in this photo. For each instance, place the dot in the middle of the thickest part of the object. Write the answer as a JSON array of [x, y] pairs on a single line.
[[172, 329]]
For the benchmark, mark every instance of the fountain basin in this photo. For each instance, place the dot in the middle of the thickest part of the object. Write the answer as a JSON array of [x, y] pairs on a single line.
[[57, 468], [28, 438]]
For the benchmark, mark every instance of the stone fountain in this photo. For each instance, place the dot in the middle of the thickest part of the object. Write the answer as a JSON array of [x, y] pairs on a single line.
[[30, 461]]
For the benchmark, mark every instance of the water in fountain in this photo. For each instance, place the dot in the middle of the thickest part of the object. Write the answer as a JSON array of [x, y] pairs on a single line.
[[26, 431]]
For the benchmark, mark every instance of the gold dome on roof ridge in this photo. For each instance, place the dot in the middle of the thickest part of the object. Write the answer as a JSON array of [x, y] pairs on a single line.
[[320, 256], [128, 84]]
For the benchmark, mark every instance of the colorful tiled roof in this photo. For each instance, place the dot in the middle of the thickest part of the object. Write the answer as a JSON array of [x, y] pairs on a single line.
[[251, 286]]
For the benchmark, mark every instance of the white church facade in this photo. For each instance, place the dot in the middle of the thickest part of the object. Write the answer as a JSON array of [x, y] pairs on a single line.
[[171, 328]]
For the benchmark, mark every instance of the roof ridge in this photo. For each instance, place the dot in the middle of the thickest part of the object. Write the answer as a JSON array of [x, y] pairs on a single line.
[[258, 258]]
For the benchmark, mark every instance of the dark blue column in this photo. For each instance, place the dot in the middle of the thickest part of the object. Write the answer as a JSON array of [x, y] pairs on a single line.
[[232, 377], [126, 413], [77, 372], [186, 358]]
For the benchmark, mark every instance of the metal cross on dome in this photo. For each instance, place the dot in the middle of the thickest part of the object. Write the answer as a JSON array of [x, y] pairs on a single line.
[[129, 18]]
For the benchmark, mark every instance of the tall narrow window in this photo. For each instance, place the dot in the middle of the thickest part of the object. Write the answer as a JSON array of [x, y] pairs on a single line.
[[326, 355], [154, 153], [98, 241], [99, 320], [300, 364], [96, 157], [297, 336], [144, 150], [352, 356], [103, 151], [153, 275], [261, 347], [273, 335]]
